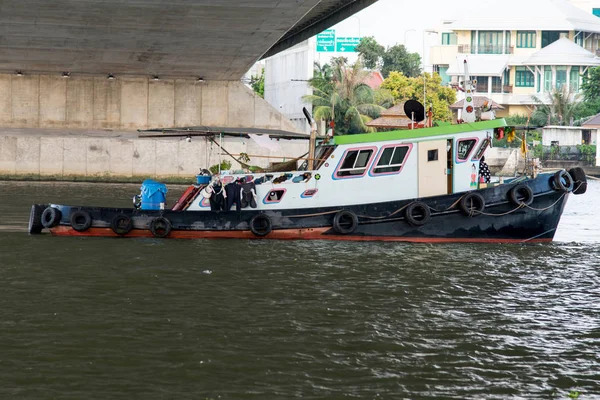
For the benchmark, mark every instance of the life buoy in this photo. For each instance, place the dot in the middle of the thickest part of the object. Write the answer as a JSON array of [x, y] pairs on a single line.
[[122, 224], [51, 217], [80, 220], [472, 204], [35, 219], [521, 194], [562, 181], [261, 225], [418, 213], [580, 180], [160, 227], [345, 222]]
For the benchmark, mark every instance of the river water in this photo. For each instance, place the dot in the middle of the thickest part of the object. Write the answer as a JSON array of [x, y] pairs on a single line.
[[95, 318]]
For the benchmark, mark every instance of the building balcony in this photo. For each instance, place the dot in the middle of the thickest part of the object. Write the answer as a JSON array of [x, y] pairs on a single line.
[[482, 88], [484, 49]]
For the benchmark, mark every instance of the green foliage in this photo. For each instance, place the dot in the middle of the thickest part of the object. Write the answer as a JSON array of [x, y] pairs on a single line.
[[538, 151], [258, 83], [587, 151], [340, 94], [225, 165], [591, 85], [370, 52], [517, 120], [397, 58], [438, 97]]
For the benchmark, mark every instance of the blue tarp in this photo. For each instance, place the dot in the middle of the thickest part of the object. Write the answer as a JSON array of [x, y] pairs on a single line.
[[153, 193]]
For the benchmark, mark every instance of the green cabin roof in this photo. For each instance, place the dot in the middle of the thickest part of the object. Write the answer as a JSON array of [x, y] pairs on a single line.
[[420, 133]]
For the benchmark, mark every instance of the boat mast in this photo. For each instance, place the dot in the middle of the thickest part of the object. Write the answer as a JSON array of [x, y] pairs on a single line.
[[468, 111]]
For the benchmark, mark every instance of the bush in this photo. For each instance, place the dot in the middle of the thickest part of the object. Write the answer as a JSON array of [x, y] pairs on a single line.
[[225, 165]]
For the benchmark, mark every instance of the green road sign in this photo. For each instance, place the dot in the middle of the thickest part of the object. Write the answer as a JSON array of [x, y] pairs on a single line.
[[347, 44], [326, 41]]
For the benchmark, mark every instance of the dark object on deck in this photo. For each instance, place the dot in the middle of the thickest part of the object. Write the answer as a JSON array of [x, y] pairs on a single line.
[[418, 213], [121, 224], [580, 178], [261, 225], [35, 218], [80, 220], [51, 217], [472, 204], [414, 110], [345, 222], [521, 194], [160, 227]]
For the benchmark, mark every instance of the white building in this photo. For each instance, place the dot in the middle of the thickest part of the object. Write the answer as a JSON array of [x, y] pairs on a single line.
[[519, 49]]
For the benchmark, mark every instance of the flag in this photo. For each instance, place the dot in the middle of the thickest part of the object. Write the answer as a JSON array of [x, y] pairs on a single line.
[[524, 145]]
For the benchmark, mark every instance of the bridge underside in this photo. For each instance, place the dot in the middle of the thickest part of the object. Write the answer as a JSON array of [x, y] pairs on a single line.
[[168, 38]]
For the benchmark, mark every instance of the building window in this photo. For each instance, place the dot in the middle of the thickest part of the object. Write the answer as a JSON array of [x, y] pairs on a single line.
[[449, 38], [443, 72], [490, 42], [574, 79], [354, 164], [391, 159], [526, 39], [464, 149], [547, 79], [561, 77], [432, 155], [524, 77], [549, 37], [596, 12], [496, 84]]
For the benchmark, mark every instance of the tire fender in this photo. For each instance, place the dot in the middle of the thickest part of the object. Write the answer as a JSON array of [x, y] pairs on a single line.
[[345, 222], [580, 180], [562, 181], [51, 217], [80, 220], [122, 224], [418, 213], [521, 194], [261, 225], [472, 204], [160, 227]]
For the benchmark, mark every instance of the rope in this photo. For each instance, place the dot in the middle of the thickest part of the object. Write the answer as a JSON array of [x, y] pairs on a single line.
[[537, 236], [312, 215], [547, 208]]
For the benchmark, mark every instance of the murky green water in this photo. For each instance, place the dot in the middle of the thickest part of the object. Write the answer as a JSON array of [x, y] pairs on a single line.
[[94, 318]]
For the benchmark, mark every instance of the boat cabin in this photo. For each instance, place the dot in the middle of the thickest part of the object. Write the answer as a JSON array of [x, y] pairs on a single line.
[[371, 168]]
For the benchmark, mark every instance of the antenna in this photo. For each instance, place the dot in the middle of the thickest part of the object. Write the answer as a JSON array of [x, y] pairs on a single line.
[[414, 109]]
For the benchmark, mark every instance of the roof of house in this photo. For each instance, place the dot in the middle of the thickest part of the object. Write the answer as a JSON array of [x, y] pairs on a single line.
[[479, 102], [595, 120], [563, 52], [552, 15], [393, 117], [374, 79], [479, 65]]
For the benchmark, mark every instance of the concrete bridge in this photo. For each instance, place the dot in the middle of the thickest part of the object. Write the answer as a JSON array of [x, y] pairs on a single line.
[[127, 65]]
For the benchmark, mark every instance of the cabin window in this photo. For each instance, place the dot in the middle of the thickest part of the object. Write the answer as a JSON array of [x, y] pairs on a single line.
[[323, 153], [464, 149], [355, 162], [391, 159], [432, 155], [274, 196], [484, 145]]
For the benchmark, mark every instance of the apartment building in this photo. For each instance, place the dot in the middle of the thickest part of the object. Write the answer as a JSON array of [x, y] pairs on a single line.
[[520, 49]]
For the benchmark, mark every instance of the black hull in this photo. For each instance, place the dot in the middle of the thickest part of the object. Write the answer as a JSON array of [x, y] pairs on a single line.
[[502, 219]]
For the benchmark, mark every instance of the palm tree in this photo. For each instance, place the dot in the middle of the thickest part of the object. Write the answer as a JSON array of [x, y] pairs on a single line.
[[347, 100], [560, 109]]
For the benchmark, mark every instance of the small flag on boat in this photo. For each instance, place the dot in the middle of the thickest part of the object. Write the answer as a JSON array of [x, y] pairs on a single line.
[[524, 145]]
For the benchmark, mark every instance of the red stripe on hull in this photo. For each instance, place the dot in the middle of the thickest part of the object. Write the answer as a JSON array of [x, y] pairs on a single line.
[[280, 234]]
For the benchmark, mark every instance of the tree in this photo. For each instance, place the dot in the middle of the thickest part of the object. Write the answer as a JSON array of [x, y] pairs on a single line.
[[591, 85], [396, 58], [348, 101], [370, 52], [258, 83], [561, 108], [438, 97]]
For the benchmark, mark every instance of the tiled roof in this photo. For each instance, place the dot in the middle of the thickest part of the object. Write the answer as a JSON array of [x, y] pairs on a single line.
[[479, 101]]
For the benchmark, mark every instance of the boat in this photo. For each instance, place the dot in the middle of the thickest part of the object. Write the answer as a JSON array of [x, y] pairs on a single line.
[[415, 185]]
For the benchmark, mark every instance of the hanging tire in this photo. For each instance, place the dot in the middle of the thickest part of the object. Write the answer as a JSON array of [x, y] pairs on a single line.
[[160, 227], [122, 224], [580, 180], [51, 217], [261, 225], [562, 181], [418, 213], [35, 219], [80, 220], [521, 194], [472, 204], [345, 222]]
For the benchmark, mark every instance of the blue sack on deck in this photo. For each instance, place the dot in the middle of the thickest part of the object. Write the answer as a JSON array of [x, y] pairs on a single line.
[[153, 194]]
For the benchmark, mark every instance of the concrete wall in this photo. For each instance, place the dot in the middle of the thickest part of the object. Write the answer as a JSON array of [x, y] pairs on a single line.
[[95, 102], [81, 156], [566, 135]]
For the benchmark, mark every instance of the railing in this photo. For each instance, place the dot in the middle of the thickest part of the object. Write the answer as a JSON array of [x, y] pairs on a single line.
[[485, 49], [482, 88]]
